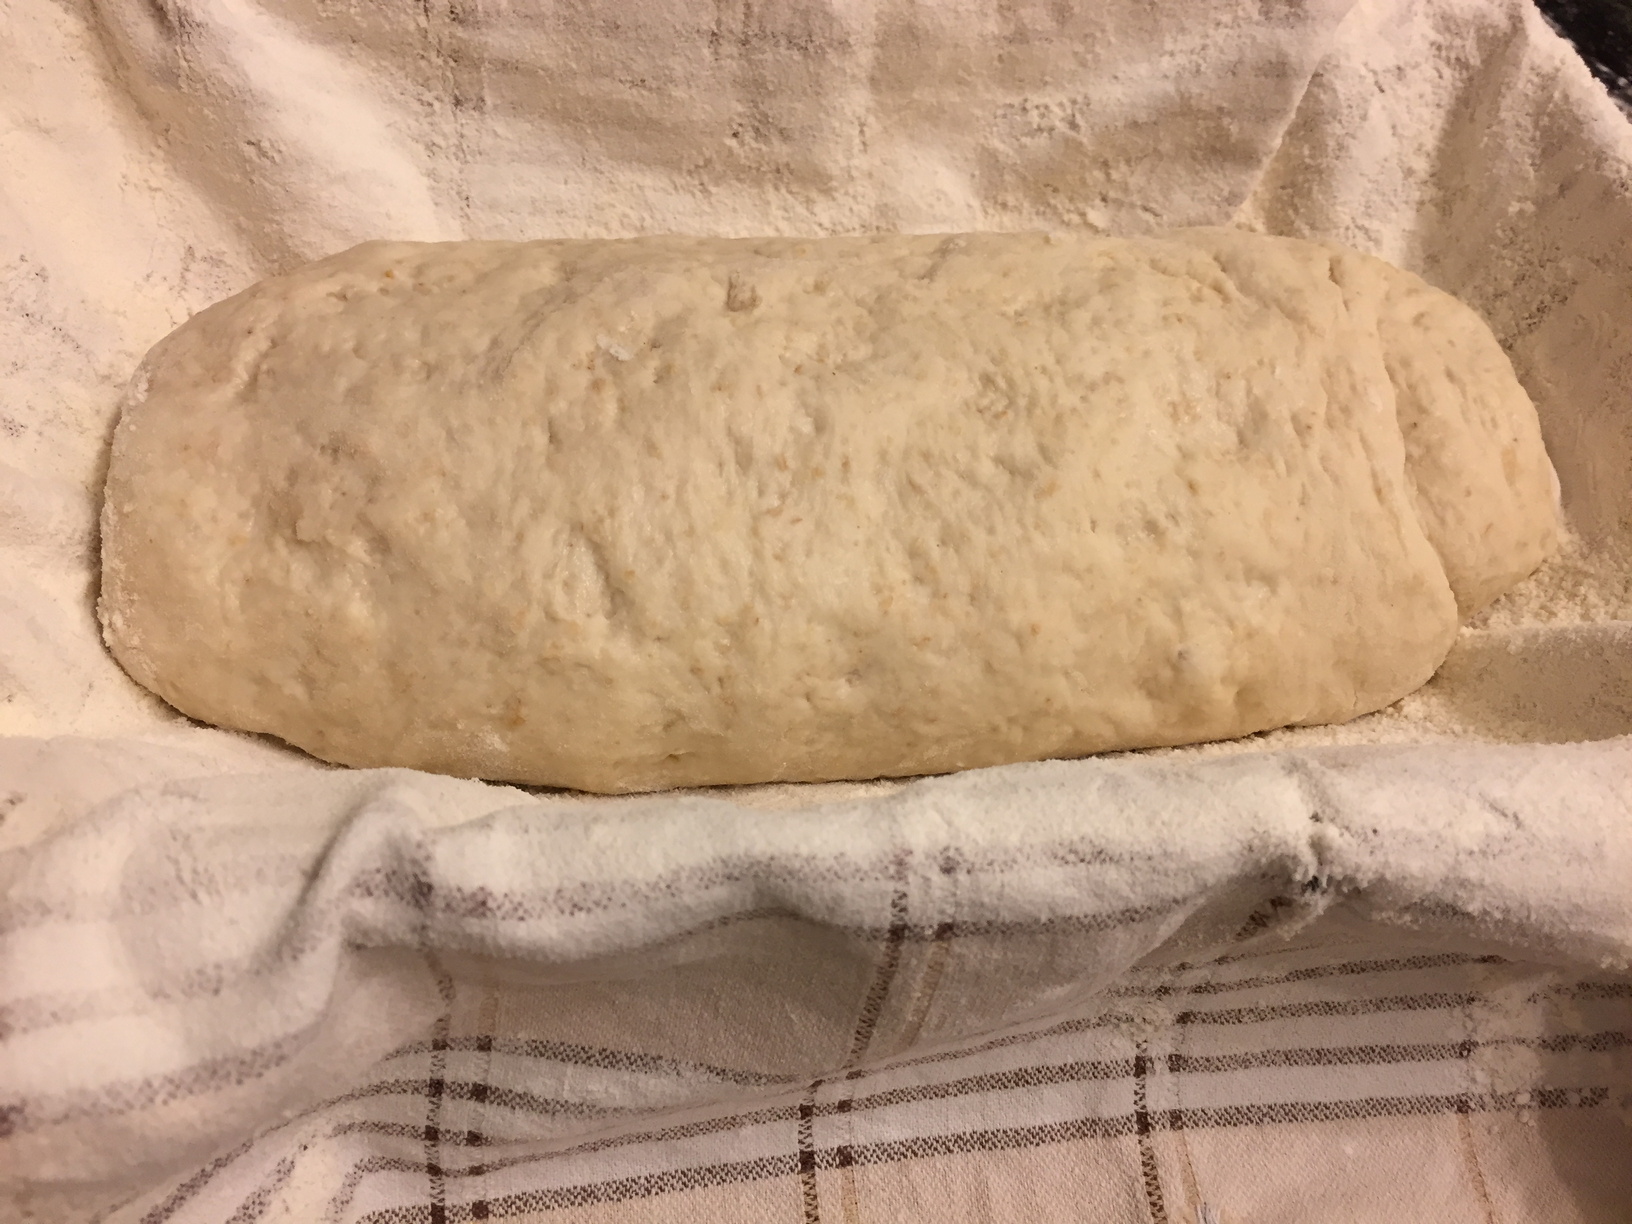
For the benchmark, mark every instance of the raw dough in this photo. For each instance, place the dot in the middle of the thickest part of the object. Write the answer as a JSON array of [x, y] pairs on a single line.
[[665, 512]]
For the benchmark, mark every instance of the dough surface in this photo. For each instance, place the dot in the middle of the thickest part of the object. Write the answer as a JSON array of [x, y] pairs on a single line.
[[625, 515]]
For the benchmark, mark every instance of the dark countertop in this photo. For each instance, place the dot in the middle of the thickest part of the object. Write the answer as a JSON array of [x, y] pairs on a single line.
[[1602, 32]]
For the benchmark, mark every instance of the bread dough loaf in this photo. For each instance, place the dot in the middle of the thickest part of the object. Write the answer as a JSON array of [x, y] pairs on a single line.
[[624, 515]]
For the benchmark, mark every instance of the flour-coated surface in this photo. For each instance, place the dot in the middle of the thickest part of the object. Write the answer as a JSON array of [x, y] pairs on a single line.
[[665, 512]]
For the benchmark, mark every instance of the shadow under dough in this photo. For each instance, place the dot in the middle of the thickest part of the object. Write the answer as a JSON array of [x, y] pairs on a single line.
[[1549, 685]]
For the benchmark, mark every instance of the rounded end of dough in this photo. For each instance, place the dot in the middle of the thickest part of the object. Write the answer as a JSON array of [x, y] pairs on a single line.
[[1484, 488]]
